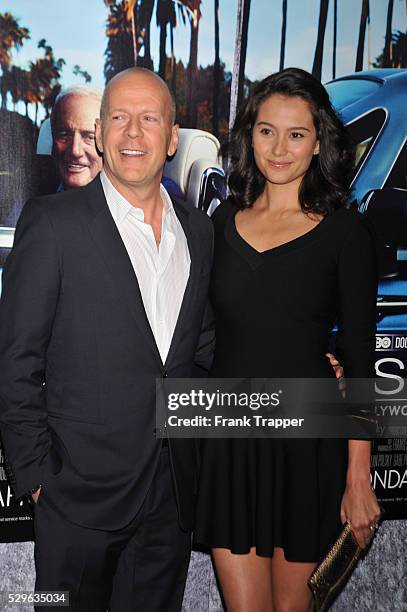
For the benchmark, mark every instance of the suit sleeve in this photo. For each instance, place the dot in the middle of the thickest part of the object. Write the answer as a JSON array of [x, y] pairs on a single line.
[[31, 284], [206, 344], [357, 292]]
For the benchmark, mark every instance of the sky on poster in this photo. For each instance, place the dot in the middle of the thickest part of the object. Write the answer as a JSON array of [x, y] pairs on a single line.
[[76, 32]]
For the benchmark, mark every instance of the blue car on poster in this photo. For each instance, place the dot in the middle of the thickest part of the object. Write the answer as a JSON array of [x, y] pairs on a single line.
[[373, 105]]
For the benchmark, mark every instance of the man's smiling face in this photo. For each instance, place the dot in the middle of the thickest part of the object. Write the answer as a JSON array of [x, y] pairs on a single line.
[[73, 136], [136, 132]]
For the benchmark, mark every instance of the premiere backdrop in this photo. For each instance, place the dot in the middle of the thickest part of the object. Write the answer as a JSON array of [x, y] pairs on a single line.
[[211, 52]]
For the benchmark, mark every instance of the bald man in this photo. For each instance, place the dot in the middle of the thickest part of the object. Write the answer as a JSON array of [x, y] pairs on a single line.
[[104, 292]]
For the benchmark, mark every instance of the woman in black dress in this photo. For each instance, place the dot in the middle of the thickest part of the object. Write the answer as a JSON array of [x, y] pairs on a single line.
[[291, 260]]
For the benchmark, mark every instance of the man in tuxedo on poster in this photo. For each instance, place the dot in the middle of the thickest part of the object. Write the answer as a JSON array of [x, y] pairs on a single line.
[[105, 291]]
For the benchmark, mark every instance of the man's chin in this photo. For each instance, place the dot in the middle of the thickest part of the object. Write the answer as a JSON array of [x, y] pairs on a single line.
[[80, 179]]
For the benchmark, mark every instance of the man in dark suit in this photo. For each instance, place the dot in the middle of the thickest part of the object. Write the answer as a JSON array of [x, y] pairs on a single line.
[[104, 292]]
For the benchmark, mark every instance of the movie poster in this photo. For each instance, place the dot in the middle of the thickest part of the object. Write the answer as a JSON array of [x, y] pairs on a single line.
[[211, 53]]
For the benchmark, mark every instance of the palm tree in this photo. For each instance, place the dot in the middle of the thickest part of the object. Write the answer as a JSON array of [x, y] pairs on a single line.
[[77, 71], [236, 87], [319, 49], [37, 82], [399, 52], [145, 14], [50, 95], [131, 16], [216, 74], [283, 34], [364, 20], [12, 35], [335, 37], [24, 87], [8, 86], [120, 52], [388, 39], [18, 85], [127, 30], [44, 77], [13, 86], [192, 8], [165, 15]]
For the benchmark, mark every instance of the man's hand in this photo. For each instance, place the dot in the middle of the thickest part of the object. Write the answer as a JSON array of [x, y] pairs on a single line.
[[36, 495], [338, 369]]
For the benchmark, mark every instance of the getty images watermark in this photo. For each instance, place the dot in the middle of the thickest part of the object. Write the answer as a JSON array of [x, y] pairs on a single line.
[[289, 408], [218, 400]]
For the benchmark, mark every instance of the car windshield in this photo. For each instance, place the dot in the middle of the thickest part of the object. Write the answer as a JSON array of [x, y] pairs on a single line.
[[346, 92]]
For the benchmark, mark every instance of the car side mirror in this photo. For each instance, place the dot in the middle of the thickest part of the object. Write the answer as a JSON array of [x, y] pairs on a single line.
[[387, 211]]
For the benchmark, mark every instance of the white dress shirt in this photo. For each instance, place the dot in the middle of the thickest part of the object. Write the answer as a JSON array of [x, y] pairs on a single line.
[[162, 271]]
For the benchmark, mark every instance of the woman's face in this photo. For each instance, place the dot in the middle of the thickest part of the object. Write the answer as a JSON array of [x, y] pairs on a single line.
[[284, 139]]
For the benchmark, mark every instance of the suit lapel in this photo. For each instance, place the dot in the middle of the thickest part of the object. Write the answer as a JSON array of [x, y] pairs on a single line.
[[113, 253], [184, 218]]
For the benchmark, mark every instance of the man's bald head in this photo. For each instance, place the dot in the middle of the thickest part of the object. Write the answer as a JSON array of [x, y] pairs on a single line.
[[136, 132], [137, 74]]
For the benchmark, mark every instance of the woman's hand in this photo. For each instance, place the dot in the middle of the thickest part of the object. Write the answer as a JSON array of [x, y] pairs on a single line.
[[360, 508], [339, 374]]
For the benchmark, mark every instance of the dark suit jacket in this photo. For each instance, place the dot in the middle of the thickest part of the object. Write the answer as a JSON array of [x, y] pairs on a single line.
[[78, 360]]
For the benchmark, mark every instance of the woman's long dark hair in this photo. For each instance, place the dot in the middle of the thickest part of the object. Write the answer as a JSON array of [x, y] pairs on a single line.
[[325, 186]]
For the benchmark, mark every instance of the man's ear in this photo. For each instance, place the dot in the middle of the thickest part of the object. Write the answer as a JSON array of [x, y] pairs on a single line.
[[98, 135], [172, 147]]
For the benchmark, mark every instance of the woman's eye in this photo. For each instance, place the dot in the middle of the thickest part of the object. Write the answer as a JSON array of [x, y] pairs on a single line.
[[265, 131], [296, 135]]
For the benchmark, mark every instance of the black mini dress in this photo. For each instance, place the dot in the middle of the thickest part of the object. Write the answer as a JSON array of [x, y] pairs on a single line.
[[274, 314]]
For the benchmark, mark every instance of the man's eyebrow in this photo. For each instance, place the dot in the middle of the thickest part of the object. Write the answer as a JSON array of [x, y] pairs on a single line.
[[292, 127], [69, 130], [142, 110], [152, 111]]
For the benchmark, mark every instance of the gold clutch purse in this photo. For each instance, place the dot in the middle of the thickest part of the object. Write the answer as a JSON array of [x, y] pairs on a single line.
[[330, 576]]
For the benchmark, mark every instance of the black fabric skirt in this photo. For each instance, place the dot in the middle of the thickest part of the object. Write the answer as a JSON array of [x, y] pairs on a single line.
[[267, 493]]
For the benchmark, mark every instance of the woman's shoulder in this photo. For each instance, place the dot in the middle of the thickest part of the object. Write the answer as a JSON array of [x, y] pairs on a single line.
[[351, 220], [351, 226], [225, 210]]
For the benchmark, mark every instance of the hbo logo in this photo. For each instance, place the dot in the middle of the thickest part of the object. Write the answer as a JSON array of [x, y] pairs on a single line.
[[383, 342]]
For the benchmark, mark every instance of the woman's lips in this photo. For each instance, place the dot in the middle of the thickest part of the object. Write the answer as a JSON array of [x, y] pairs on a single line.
[[275, 164]]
